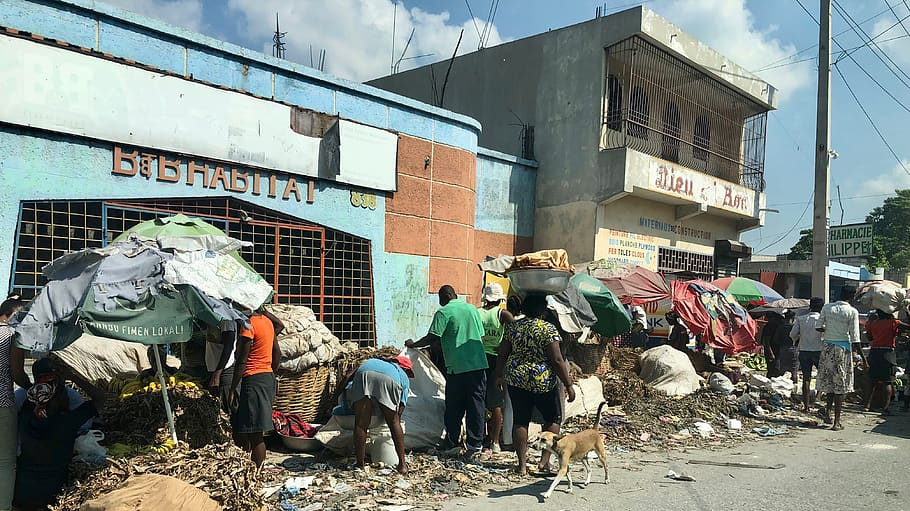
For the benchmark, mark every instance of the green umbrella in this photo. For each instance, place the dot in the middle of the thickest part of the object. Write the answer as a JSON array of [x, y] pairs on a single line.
[[177, 226], [612, 319]]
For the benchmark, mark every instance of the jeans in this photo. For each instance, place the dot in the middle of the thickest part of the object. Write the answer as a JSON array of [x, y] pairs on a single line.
[[466, 399], [9, 441]]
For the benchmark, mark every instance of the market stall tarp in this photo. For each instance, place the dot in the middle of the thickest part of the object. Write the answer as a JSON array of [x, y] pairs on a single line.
[[747, 290], [612, 318], [797, 305], [632, 284], [707, 311], [119, 292]]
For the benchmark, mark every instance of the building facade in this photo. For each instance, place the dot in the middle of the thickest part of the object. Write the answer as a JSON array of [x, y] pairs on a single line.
[[650, 144], [359, 203]]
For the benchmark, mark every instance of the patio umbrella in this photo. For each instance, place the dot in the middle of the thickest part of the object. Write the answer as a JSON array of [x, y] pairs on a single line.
[[792, 304], [747, 290], [612, 319], [120, 292], [632, 284], [710, 312], [205, 257]]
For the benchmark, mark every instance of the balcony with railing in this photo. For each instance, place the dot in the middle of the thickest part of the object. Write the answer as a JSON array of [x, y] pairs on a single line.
[[659, 105]]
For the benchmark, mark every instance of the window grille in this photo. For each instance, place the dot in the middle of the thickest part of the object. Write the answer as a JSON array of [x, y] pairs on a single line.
[[658, 104], [670, 260], [327, 270]]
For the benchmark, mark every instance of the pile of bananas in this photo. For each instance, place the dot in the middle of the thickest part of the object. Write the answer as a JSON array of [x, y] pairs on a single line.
[[120, 450], [756, 362], [126, 386]]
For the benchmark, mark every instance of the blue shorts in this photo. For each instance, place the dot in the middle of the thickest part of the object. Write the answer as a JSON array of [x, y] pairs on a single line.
[[807, 359]]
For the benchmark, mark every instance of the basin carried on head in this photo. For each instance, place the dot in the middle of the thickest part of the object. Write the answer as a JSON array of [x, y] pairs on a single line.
[[539, 280]]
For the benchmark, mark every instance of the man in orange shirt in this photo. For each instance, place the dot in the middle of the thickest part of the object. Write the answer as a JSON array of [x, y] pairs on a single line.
[[258, 357]]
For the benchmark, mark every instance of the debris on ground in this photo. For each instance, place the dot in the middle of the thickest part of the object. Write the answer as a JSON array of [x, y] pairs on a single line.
[[140, 419], [223, 471]]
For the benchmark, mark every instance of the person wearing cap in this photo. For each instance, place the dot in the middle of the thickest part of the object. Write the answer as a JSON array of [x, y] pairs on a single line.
[[808, 342], [47, 431], [379, 387], [494, 319]]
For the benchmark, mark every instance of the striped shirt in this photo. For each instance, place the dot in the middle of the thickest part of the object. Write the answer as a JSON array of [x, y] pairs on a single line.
[[6, 375]]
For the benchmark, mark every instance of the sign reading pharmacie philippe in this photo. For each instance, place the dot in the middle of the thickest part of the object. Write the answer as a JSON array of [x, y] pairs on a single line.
[[853, 240], [669, 179]]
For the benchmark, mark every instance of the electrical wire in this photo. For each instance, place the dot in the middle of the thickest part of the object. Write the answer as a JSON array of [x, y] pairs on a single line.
[[869, 117], [901, 21], [878, 54], [843, 198], [800, 52], [798, 220], [851, 51], [473, 20]]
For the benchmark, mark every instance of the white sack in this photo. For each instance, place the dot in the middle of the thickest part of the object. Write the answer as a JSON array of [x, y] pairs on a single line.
[[669, 371], [99, 358]]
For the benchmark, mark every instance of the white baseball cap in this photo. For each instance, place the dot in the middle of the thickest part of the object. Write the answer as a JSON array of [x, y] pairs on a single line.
[[493, 293]]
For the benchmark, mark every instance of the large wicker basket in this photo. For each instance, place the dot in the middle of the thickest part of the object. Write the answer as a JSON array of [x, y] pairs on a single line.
[[305, 393]]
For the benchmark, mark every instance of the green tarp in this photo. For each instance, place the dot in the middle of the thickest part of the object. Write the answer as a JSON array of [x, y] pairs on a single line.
[[612, 319]]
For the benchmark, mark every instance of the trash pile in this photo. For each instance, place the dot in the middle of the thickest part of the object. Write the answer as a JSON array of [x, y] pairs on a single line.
[[223, 471], [140, 419], [432, 480], [306, 342]]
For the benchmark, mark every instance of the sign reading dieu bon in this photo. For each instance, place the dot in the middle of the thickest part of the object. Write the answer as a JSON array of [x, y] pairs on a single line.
[[193, 172]]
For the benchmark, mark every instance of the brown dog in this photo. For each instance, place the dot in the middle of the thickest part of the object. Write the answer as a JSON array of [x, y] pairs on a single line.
[[569, 448]]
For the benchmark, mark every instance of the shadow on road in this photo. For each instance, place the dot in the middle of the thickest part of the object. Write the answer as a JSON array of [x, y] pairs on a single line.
[[897, 424], [534, 489]]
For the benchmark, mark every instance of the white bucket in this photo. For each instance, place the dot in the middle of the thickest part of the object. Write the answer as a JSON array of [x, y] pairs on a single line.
[[382, 449]]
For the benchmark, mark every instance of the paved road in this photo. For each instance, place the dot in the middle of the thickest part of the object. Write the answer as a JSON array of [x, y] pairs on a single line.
[[866, 466]]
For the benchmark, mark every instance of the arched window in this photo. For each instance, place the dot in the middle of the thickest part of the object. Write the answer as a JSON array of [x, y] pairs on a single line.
[[639, 113], [702, 137], [614, 103], [670, 145]]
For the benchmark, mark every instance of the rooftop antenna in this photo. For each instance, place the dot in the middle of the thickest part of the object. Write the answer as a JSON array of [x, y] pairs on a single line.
[[277, 43], [394, 18], [397, 63], [445, 81]]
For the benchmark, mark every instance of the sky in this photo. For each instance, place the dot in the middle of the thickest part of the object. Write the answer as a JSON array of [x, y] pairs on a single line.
[[776, 39]]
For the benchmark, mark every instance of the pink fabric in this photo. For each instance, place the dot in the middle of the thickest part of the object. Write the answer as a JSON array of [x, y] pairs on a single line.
[[634, 285], [730, 337]]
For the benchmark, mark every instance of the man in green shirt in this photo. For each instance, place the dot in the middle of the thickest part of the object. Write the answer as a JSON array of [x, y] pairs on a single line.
[[494, 319], [458, 329]]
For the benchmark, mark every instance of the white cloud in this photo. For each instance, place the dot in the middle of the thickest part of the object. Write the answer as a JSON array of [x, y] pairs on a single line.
[[356, 34], [898, 48], [729, 27], [182, 13], [874, 190]]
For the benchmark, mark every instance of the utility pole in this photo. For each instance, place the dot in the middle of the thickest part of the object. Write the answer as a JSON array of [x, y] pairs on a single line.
[[820, 286]]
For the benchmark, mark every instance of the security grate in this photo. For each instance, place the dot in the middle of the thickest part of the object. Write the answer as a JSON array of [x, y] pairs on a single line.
[[678, 261], [327, 270]]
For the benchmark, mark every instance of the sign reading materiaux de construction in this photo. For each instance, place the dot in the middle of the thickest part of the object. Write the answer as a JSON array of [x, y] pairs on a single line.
[[854, 240]]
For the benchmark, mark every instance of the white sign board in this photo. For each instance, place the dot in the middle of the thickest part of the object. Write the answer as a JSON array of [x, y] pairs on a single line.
[[67, 92], [854, 240], [687, 184]]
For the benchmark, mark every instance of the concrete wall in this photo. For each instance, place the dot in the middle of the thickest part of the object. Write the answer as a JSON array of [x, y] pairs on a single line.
[[425, 234]]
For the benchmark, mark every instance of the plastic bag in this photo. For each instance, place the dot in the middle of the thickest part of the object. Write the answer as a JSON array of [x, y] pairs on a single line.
[[87, 446]]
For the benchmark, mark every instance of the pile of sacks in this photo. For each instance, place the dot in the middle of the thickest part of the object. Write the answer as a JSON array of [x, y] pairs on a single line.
[[305, 341], [883, 295]]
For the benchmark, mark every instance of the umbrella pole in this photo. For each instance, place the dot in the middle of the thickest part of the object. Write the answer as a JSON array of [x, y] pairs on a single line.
[[167, 403]]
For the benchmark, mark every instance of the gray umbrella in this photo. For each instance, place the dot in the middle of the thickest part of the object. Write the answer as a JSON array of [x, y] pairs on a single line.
[[797, 305]]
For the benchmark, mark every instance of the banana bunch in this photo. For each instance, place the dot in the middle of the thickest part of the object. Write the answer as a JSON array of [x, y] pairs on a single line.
[[180, 381], [756, 362], [164, 448]]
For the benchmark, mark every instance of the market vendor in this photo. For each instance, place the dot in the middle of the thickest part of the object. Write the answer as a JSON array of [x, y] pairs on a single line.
[[530, 362], [219, 361], [457, 328], [258, 357], [679, 335], [882, 330], [8, 420], [379, 387], [48, 431], [494, 319]]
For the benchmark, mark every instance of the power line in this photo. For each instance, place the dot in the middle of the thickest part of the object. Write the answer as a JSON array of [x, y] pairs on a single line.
[[901, 21], [777, 204], [798, 220], [853, 50], [874, 127], [804, 50], [864, 36], [473, 19], [861, 68]]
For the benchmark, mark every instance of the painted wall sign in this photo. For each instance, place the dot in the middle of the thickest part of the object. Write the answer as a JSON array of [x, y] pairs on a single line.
[[363, 200], [68, 92], [669, 179], [169, 169], [629, 247], [854, 240], [674, 228]]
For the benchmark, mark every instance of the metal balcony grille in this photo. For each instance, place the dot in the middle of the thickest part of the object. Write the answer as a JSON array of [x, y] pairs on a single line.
[[327, 270], [659, 105]]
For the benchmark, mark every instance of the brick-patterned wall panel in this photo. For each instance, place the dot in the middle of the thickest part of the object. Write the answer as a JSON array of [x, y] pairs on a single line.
[[407, 234]]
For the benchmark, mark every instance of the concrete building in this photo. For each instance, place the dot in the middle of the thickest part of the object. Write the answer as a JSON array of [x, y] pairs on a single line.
[[650, 144], [360, 203]]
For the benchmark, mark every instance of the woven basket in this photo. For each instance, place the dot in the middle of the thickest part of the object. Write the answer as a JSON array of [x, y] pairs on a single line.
[[304, 393], [588, 356]]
